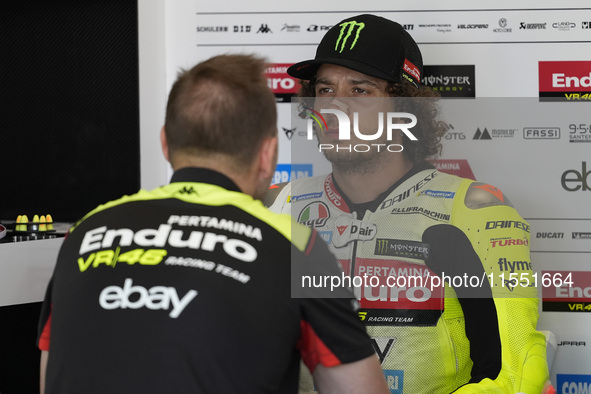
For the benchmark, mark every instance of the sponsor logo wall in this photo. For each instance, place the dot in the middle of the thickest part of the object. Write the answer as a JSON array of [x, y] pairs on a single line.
[[565, 80], [283, 86], [519, 84], [451, 81]]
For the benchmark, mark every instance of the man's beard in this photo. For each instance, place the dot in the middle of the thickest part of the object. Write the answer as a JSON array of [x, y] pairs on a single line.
[[353, 162]]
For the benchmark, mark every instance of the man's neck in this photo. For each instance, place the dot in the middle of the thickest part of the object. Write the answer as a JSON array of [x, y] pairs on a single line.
[[245, 180], [366, 185]]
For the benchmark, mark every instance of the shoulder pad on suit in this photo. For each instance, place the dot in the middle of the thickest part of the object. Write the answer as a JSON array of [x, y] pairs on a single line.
[[272, 193], [481, 195]]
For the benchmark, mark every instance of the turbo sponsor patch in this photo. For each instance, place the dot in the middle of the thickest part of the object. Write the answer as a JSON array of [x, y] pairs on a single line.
[[500, 242]]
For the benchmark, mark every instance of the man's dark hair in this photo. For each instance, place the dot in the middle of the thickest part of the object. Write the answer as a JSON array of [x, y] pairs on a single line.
[[428, 133], [221, 106]]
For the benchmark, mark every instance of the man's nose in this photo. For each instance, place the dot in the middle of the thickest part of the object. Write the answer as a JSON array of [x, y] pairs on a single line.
[[339, 104], [334, 103]]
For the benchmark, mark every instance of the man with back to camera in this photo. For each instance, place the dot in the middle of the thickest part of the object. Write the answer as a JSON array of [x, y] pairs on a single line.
[[387, 213], [186, 288]]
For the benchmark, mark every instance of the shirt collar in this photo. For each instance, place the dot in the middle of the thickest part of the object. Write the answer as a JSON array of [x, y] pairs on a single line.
[[204, 175], [373, 205]]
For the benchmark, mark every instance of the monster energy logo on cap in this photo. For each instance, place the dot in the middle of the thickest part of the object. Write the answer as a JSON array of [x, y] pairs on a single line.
[[352, 25], [368, 44]]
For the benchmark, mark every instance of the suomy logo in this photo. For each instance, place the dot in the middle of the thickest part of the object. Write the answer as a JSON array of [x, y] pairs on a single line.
[[344, 124], [349, 27]]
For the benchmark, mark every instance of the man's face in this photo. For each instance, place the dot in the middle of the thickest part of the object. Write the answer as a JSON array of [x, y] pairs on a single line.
[[350, 92]]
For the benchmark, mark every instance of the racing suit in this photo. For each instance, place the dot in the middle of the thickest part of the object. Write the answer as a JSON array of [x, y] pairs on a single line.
[[474, 334]]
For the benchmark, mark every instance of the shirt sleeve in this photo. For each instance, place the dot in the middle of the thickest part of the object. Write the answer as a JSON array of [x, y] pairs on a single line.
[[331, 332], [44, 329]]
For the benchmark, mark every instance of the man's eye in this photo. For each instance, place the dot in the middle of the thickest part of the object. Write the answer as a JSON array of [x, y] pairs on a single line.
[[359, 90], [324, 90]]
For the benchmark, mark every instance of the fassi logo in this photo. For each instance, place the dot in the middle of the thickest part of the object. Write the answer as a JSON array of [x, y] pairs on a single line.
[[531, 133]]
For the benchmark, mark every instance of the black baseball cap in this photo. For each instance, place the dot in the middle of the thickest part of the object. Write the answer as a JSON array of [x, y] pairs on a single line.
[[369, 44]]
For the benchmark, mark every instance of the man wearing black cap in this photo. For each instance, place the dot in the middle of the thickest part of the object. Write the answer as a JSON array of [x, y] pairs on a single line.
[[391, 217]]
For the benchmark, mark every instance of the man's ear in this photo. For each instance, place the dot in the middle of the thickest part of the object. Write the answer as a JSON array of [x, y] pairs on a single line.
[[267, 159], [164, 143]]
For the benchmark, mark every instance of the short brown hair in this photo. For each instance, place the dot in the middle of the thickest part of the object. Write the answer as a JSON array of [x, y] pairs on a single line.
[[222, 105], [428, 135]]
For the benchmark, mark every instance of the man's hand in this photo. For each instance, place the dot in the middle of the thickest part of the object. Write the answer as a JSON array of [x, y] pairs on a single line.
[[360, 377], [42, 371]]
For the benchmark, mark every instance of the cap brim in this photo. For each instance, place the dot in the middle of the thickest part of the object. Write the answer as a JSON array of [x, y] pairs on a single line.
[[304, 70], [307, 69]]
